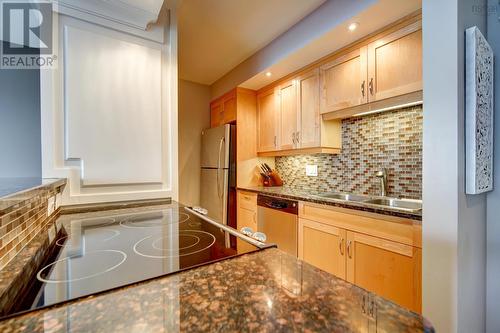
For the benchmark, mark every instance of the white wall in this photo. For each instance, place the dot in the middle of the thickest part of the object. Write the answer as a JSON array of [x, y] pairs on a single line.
[[20, 144], [493, 227], [454, 234], [109, 113], [194, 116]]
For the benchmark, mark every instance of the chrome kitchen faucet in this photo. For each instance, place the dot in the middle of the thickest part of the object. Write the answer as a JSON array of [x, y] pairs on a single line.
[[382, 174]]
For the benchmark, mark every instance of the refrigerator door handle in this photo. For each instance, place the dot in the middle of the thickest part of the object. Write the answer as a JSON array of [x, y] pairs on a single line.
[[219, 167]]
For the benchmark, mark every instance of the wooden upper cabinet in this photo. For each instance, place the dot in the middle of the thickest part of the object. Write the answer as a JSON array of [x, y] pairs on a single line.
[[223, 110], [216, 114], [287, 111], [323, 246], [267, 121], [344, 81], [229, 105], [389, 269], [395, 63], [309, 130]]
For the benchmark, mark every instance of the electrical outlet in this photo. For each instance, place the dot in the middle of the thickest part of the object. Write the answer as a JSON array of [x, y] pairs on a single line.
[[51, 205], [312, 170]]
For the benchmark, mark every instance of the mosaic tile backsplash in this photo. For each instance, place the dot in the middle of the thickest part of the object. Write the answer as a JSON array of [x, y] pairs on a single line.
[[20, 223], [391, 140]]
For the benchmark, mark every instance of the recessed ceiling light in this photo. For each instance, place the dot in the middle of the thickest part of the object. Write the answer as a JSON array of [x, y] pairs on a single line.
[[353, 26], [268, 74]]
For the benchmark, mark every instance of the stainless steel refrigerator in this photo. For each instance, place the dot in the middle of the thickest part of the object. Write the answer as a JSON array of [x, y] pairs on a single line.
[[218, 174]]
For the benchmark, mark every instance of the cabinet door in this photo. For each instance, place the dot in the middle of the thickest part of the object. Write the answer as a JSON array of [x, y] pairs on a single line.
[[395, 63], [343, 81], [389, 269], [267, 121], [322, 246], [216, 114], [229, 107], [309, 132], [246, 218], [287, 104]]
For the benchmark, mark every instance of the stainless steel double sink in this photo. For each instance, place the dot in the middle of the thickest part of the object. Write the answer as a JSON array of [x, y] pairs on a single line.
[[406, 205]]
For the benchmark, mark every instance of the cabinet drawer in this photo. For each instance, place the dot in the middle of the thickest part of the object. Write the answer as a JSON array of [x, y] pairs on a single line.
[[247, 200], [392, 228]]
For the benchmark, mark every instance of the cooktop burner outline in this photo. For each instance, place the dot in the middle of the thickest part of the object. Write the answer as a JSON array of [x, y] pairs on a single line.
[[153, 244], [98, 251], [213, 240], [185, 217], [61, 241], [122, 260]]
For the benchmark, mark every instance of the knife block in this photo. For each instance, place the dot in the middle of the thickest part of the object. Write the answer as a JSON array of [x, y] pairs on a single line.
[[272, 180]]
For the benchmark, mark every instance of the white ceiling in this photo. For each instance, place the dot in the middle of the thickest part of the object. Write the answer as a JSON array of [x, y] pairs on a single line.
[[380, 14], [217, 35]]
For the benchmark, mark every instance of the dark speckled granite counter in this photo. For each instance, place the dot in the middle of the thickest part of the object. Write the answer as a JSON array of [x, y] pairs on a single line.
[[16, 190], [268, 291], [291, 193]]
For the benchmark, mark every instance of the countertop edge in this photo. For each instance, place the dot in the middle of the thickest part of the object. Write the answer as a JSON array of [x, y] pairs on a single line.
[[304, 197], [10, 201]]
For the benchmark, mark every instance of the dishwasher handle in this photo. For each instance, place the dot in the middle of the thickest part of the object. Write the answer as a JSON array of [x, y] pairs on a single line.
[[283, 205], [276, 205]]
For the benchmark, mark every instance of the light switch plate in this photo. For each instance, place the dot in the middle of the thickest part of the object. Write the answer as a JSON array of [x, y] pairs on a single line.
[[312, 170]]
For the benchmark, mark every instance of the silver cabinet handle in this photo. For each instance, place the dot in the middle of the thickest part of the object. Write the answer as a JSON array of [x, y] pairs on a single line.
[[363, 88], [275, 142], [293, 137], [341, 246], [370, 86], [298, 137], [349, 254]]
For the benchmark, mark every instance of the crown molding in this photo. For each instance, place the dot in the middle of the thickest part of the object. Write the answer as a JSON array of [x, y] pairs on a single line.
[[116, 14]]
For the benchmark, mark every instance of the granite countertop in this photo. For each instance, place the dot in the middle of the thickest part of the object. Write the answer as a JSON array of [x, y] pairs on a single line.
[[267, 291], [16, 190], [301, 195]]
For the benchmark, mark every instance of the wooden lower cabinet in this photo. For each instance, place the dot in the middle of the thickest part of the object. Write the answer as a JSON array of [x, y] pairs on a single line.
[[323, 246], [379, 253], [389, 269], [246, 217]]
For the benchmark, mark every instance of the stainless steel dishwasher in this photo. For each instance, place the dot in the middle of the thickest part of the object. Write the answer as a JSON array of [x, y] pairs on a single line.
[[278, 219]]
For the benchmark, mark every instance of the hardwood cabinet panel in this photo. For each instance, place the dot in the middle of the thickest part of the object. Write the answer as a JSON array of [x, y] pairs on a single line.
[[392, 228], [386, 268], [287, 111], [323, 246], [223, 109], [267, 121], [216, 114], [246, 216], [343, 81], [229, 106], [247, 200], [309, 131], [395, 63]]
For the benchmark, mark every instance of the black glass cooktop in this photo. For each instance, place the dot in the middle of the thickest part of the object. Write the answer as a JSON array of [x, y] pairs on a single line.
[[98, 252]]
